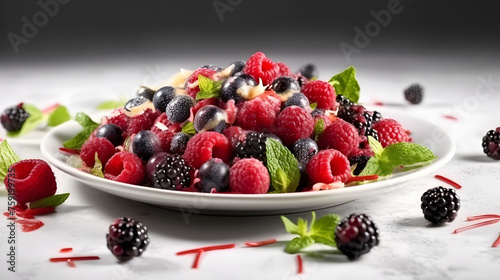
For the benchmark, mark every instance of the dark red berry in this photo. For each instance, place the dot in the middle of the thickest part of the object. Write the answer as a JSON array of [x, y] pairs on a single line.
[[127, 238], [356, 235]]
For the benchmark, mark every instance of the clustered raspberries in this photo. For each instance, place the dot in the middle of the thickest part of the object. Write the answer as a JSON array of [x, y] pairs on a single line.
[[219, 120]]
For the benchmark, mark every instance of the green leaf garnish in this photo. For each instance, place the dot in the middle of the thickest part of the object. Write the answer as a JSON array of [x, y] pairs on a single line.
[[112, 104], [321, 231], [319, 128], [208, 88], [97, 169], [34, 119], [7, 158], [283, 167], [88, 127], [58, 116], [54, 200], [313, 105], [399, 154], [188, 128], [346, 84]]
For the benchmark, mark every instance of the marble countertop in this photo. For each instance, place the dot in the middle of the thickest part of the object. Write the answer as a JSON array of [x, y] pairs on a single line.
[[410, 248]]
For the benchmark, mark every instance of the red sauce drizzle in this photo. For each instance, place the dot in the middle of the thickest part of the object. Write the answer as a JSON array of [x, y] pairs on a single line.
[[446, 180], [206, 249], [67, 259], [300, 265], [197, 259], [69, 151], [71, 263], [361, 178], [496, 243], [66, 250], [260, 243], [50, 108], [476, 225], [29, 225], [450, 117], [480, 217]]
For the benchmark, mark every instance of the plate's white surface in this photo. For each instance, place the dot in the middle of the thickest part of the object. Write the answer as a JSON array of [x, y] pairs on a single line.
[[243, 204]]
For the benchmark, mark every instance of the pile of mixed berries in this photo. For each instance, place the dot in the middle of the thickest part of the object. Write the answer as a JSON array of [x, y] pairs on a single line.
[[206, 130]]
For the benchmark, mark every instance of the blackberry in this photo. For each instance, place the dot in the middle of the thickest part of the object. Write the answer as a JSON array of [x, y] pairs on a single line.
[[491, 144], [343, 101], [254, 146], [361, 161], [172, 174], [414, 94], [440, 205], [376, 117], [356, 235], [127, 238], [14, 117], [358, 116]]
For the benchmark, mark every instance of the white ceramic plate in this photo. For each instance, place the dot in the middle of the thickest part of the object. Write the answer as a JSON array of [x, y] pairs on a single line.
[[32, 138], [262, 204]]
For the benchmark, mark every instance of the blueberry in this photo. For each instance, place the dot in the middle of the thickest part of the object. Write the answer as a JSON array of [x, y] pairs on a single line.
[[212, 67], [112, 132], [309, 71], [146, 93], [178, 110], [238, 67], [210, 117], [230, 87], [162, 97], [317, 112], [214, 174], [285, 85], [303, 150], [146, 144], [179, 143], [134, 102], [297, 99]]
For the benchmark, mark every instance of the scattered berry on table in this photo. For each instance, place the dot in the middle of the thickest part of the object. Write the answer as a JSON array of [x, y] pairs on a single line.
[[112, 132], [127, 238], [303, 150], [440, 205], [172, 174], [328, 166], [214, 175], [252, 146], [309, 71], [179, 109], [102, 146], [341, 136], [321, 93], [414, 94], [179, 143], [292, 124], [261, 68], [491, 144], [390, 132], [125, 167], [162, 97], [145, 144], [32, 179], [360, 160], [249, 176], [230, 87], [356, 235], [14, 117], [204, 146], [210, 117], [146, 92]]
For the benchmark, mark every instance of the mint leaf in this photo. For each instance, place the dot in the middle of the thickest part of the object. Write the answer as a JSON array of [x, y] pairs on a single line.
[[208, 88], [35, 118], [372, 167], [407, 154], [88, 127], [375, 146], [319, 127], [54, 200], [280, 158], [323, 229], [97, 169], [290, 227], [298, 243], [58, 116], [313, 105], [7, 158], [188, 128], [112, 104], [346, 84]]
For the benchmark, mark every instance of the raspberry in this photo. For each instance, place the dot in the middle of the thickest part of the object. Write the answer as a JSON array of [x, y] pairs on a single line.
[[390, 132], [125, 167], [205, 72], [285, 70], [341, 136], [328, 166], [322, 93], [172, 174], [206, 145], [292, 124], [202, 103], [165, 137], [161, 123], [414, 94], [14, 117], [142, 121], [30, 180], [356, 235], [249, 176], [259, 113], [119, 118], [253, 146], [127, 238], [440, 205], [491, 144], [102, 146], [260, 67], [233, 134]]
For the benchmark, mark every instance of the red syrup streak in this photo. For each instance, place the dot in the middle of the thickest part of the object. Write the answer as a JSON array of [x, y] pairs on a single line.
[[378, 103], [29, 225], [66, 250], [71, 263], [206, 249], [450, 117], [446, 180], [260, 243], [485, 223], [72, 259], [480, 217], [69, 151], [497, 242], [197, 259], [300, 265], [50, 108], [361, 178]]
